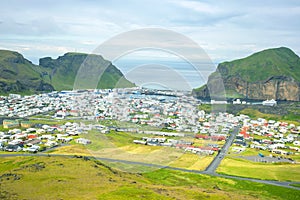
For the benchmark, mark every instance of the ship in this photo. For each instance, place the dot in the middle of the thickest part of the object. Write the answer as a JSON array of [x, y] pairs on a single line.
[[271, 102]]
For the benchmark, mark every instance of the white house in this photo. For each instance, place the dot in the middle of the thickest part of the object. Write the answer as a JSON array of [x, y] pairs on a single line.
[[83, 141]]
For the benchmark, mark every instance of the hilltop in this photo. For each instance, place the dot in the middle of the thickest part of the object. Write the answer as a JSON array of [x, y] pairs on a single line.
[[61, 72], [19, 75], [269, 74]]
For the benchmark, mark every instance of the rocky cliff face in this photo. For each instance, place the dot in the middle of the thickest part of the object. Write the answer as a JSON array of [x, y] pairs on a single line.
[[64, 70], [271, 74], [17, 74], [277, 87]]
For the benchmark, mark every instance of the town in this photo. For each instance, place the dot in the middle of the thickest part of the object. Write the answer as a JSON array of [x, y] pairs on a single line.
[[170, 120]]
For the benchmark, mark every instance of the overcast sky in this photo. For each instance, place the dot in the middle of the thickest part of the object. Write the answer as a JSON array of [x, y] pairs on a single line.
[[226, 30]]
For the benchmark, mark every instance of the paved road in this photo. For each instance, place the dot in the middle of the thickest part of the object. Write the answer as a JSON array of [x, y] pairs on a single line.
[[276, 183], [217, 160], [210, 170]]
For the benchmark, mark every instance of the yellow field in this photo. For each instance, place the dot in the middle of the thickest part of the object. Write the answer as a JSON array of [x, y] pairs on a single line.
[[244, 168], [142, 153], [72, 150], [79, 178], [192, 161]]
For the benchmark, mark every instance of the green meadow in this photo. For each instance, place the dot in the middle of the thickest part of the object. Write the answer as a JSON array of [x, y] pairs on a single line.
[[266, 171], [82, 178]]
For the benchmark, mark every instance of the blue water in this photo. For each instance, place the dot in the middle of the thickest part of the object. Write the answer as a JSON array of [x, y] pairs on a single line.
[[165, 73]]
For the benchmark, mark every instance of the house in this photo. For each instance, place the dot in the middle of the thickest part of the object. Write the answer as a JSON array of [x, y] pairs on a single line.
[[32, 136], [237, 101], [33, 149], [47, 137], [60, 114], [277, 151], [83, 141], [297, 143], [33, 142], [63, 138], [74, 113], [139, 142], [217, 102], [12, 148], [51, 143], [26, 124], [11, 124], [14, 96]]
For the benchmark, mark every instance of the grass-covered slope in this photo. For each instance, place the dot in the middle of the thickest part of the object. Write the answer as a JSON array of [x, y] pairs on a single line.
[[81, 178], [62, 72], [17, 74], [240, 167], [268, 74], [263, 65]]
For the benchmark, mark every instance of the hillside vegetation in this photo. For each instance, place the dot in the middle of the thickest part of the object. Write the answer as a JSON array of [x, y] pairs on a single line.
[[19, 75], [263, 65], [268, 74], [84, 178], [62, 72]]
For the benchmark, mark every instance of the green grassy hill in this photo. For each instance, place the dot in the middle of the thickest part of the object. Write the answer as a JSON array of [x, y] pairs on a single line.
[[63, 71], [263, 65], [83, 178], [268, 74], [17, 74]]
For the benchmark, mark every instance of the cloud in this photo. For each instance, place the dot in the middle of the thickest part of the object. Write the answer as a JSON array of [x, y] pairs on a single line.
[[201, 7], [224, 28], [36, 27]]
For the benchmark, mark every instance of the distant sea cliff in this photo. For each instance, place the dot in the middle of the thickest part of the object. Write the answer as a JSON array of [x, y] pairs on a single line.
[[19, 75], [269, 74]]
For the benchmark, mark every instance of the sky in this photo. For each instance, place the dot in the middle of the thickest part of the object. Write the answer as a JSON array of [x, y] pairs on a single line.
[[225, 30]]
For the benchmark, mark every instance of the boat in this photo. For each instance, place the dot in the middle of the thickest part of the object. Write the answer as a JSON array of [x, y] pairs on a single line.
[[271, 102]]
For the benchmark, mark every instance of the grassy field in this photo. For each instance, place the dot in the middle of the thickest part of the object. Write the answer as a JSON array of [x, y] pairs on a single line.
[[254, 114], [289, 118], [255, 152], [296, 185], [266, 171], [137, 153], [119, 145], [3, 129], [79, 178], [192, 161]]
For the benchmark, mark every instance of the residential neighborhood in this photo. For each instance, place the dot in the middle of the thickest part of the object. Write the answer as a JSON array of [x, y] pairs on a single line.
[[41, 137], [176, 119], [272, 137]]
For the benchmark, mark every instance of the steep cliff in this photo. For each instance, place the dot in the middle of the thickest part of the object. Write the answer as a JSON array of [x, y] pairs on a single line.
[[18, 74], [63, 71], [269, 74]]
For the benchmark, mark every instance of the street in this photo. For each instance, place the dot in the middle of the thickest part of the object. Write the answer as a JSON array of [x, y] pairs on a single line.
[[217, 160]]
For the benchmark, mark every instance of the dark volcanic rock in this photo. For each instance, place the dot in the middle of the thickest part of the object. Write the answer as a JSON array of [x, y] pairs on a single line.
[[270, 74]]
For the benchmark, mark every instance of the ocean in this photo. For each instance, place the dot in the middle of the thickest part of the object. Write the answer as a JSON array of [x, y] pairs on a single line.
[[165, 74]]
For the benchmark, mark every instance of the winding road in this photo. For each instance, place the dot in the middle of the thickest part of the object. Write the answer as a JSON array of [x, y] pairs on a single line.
[[210, 170]]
